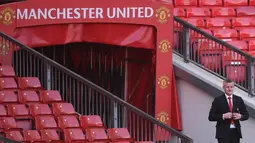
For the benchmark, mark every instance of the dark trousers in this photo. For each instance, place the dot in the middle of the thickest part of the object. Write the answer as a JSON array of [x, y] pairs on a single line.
[[232, 137]]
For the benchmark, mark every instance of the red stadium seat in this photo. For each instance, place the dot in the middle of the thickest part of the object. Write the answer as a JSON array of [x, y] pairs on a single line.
[[226, 34], [50, 96], [242, 45], [185, 2], [8, 97], [14, 135], [251, 44], [8, 83], [3, 111], [119, 134], [18, 111], [74, 135], [180, 12], [97, 135], [210, 56], [91, 121], [8, 123], [245, 11], [218, 23], [40, 109], [223, 12], [235, 3], [29, 83], [198, 12], [50, 135], [63, 109], [210, 3], [243, 22], [28, 96], [247, 33], [68, 122], [45, 122], [7, 71], [32, 136], [198, 22], [252, 2]]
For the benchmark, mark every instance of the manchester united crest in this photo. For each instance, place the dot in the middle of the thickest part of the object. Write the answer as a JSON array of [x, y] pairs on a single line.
[[7, 15], [164, 46], [163, 14], [163, 117], [163, 82], [4, 48]]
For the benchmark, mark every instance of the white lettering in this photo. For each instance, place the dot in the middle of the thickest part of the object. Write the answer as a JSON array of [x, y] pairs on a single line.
[[50, 13], [109, 15], [140, 12], [21, 15], [148, 12], [91, 13], [84, 12], [59, 13], [42, 13], [77, 13], [99, 13], [32, 14], [69, 13]]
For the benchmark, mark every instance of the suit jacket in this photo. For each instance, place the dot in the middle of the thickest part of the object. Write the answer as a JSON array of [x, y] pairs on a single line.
[[219, 107]]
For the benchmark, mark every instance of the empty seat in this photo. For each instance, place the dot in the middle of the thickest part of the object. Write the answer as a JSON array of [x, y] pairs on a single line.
[[74, 135], [7, 71], [91, 121], [242, 45], [252, 2], [8, 83], [198, 12], [245, 11], [8, 123], [14, 135], [210, 3], [40, 109], [218, 23], [50, 135], [226, 34], [251, 44], [235, 3], [32, 136], [223, 12], [119, 134], [179, 12], [45, 122], [97, 134], [8, 97], [247, 33], [63, 109], [3, 111], [28, 96], [19, 111], [185, 2], [68, 122], [29, 83], [198, 22], [50, 96], [243, 22]]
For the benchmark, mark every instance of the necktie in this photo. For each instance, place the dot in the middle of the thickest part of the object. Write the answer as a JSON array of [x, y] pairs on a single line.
[[230, 107]]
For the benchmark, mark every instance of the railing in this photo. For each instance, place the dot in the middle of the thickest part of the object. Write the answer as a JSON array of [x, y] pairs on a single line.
[[88, 98], [214, 55]]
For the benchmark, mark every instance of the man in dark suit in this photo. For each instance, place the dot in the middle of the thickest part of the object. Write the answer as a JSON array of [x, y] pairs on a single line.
[[227, 110]]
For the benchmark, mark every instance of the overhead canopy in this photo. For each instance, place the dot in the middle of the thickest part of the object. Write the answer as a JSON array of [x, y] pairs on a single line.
[[46, 23]]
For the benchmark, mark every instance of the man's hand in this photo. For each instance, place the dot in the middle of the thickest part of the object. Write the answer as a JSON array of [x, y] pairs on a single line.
[[237, 116], [227, 115]]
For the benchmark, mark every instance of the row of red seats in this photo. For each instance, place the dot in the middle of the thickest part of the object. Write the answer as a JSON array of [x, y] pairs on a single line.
[[227, 34], [29, 96], [214, 12], [72, 135], [21, 111], [222, 23], [213, 2]]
